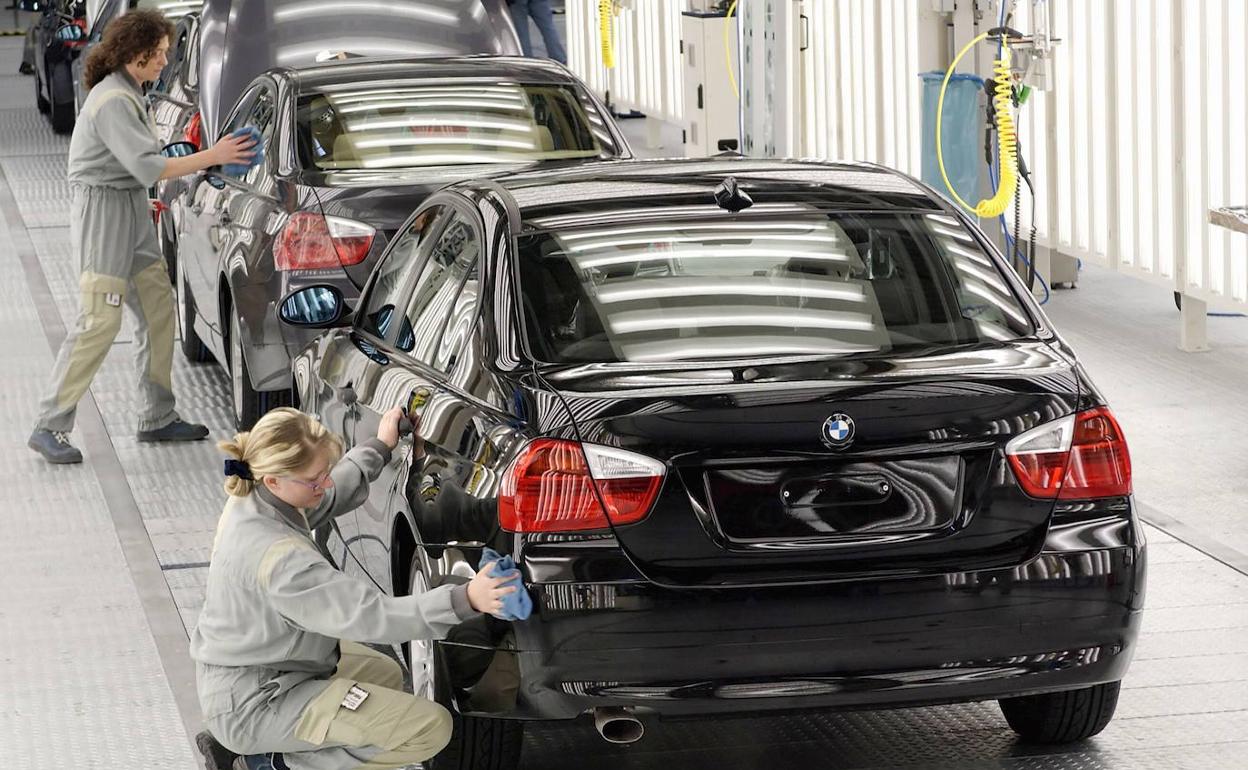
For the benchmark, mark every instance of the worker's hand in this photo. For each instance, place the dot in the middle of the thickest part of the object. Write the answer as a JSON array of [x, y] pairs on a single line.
[[232, 149], [486, 593], [388, 430]]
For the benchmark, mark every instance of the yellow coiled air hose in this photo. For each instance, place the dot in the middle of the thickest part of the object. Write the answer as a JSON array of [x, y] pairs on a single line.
[[605, 9], [1007, 141]]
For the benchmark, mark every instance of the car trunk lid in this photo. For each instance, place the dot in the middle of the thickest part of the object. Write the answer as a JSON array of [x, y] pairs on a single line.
[[758, 491]]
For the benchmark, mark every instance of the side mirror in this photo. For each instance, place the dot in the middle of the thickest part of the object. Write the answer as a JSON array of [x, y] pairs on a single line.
[[70, 33], [179, 150], [315, 307]]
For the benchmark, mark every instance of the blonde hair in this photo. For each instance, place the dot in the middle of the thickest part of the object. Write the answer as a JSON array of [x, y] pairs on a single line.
[[283, 441]]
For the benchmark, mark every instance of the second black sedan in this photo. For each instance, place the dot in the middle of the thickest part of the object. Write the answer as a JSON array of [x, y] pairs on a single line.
[[760, 436], [351, 147]]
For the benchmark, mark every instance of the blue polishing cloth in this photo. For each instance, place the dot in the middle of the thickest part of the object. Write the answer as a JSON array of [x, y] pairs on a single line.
[[517, 605], [238, 169]]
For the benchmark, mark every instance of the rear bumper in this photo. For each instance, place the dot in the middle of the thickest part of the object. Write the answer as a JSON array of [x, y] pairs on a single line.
[[1068, 618]]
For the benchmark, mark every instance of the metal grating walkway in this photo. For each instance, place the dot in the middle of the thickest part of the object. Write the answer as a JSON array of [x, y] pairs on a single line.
[[102, 568]]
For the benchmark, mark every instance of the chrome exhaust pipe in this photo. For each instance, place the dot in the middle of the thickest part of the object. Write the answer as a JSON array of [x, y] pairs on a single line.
[[618, 724]]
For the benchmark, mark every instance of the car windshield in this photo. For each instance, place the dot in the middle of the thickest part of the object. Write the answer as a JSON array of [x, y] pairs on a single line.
[[814, 283], [443, 124]]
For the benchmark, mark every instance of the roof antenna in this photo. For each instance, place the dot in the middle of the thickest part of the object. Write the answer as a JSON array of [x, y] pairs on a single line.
[[731, 197]]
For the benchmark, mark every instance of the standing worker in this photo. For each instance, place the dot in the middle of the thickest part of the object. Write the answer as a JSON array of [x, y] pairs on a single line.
[[282, 675], [544, 18], [114, 157]]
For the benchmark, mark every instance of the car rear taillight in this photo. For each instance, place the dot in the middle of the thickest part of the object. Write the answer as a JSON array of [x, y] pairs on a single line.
[[194, 132], [550, 487], [1079, 457], [310, 241]]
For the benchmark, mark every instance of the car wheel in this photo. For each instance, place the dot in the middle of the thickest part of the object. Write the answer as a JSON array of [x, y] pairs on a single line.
[[192, 346], [40, 102], [62, 112], [249, 404], [476, 743], [1062, 717]]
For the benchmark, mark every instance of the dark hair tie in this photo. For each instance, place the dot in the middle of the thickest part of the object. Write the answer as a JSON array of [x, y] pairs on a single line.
[[238, 468]]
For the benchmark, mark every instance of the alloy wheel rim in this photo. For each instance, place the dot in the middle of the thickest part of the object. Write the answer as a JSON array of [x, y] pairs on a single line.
[[236, 367], [420, 652]]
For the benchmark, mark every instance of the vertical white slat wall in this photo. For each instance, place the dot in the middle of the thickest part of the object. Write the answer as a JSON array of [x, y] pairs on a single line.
[[647, 76], [861, 96], [1118, 140]]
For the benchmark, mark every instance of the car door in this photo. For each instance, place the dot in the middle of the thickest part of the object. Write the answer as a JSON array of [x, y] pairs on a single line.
[[412, 376], [360, 362], [200, 233]]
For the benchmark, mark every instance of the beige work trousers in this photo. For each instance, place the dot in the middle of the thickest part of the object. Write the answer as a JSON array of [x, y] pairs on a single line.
[[390, 729]]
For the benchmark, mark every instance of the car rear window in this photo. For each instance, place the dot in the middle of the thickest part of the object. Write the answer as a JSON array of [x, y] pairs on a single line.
[[837, 284], [444, 124]]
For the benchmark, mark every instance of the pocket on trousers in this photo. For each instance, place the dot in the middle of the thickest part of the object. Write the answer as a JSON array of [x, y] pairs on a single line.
[[216, 703], [321, 711]]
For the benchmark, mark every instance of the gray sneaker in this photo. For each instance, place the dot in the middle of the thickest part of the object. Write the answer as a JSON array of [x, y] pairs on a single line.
[[54, 446], [175, 431]]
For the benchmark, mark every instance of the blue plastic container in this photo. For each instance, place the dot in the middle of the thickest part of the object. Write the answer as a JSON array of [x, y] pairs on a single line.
[[962, 133]]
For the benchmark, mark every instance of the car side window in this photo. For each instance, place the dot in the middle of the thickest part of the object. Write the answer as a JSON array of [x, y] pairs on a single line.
[[242, 111], [452, 258], [457, 333], [261, 116], [386, 290]]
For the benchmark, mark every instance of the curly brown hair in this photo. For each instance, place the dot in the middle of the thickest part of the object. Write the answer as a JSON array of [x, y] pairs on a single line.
[[135, 35]]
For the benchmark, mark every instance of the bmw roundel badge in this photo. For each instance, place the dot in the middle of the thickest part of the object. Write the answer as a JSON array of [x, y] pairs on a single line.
[[838, 431]]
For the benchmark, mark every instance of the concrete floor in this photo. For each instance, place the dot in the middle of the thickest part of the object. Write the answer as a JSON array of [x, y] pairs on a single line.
[[103, 564]]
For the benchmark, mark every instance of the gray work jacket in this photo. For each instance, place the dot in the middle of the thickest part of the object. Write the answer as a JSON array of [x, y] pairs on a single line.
[[114, 142], [274, 602]]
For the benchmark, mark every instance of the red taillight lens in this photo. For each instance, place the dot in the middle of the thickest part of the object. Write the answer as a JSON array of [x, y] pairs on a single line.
[[551, 487], [310, 241], [1080, 457], [194, 132]]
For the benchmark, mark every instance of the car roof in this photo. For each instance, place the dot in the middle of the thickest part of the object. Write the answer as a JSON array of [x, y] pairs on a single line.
[[684, 186], [381, 72]]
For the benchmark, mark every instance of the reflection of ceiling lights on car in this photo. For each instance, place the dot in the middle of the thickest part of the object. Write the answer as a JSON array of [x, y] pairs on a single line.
[[741, 347], [658, 288], [705, 238], [423, 159], [447, 120], [479, 141], [389, 9], [672, 318], [719, 253]]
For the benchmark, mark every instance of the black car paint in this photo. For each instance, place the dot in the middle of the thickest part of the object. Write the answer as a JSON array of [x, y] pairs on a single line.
[[224, 227], [667, 615]]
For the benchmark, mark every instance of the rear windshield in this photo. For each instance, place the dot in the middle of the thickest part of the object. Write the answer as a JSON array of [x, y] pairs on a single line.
[[814, 284], [445, 125]]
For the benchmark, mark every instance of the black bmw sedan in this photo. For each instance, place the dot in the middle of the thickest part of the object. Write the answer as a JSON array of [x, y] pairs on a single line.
[[350, 147], [760, 435]]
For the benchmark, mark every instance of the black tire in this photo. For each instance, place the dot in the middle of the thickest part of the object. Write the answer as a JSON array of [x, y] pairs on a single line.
[[476, 743], [249, 404], [60, 81], [1062, 717], [1178, 301], [192, 346], [480, 744], [40, 102]]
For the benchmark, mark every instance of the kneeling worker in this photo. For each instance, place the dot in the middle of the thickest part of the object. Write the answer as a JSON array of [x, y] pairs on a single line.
[[281, 673], [114, 157]]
